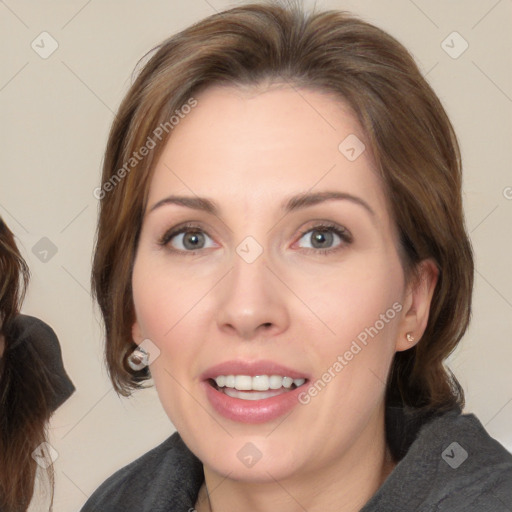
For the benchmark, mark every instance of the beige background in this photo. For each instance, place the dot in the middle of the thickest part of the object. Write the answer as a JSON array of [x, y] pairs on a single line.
[[55, 116]]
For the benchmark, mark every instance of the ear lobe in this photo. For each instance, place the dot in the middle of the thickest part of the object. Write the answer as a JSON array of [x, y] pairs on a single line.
[[417, 305]]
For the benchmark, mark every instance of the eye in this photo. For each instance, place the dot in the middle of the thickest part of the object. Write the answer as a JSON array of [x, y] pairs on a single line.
[[189, 238], [322, 236], [185, 239]]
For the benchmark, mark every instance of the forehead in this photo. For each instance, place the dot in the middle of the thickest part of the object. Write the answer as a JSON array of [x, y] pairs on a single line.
[[252, 147]]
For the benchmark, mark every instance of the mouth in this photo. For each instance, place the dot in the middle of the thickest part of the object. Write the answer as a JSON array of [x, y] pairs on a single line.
[[259, 387], [253, 391]]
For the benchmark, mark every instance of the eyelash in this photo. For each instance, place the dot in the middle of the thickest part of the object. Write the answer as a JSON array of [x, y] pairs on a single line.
[[343, 234]]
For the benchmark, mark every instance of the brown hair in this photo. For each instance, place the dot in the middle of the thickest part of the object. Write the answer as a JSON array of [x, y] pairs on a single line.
[[410, 136], [14, 274], [24, 408]]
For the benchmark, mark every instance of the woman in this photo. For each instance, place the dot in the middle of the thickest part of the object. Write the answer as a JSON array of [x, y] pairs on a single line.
[[281, 243], [33, 384]]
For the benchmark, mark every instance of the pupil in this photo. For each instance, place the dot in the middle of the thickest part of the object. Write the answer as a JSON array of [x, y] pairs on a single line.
[[191, 241], [321, 237]]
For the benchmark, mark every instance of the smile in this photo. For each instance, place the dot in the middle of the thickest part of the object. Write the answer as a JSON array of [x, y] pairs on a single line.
[[252, 392], [259, 387]]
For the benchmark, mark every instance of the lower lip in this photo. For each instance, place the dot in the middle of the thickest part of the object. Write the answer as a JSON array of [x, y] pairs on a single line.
[[252, 411]]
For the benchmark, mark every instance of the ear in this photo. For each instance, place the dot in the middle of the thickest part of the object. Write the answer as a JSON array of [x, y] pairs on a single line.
[[417, 304]]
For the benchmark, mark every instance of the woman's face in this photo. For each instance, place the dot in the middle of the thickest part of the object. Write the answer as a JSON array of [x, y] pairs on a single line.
[[266, 286]]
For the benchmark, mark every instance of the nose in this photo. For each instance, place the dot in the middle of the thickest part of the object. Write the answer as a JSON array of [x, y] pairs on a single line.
[[253, 302]]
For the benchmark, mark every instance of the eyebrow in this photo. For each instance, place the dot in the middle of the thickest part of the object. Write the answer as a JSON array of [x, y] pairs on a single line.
[[293, 203]]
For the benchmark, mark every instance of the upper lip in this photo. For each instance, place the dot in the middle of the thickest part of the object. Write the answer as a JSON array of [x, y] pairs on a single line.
[[252, 368]]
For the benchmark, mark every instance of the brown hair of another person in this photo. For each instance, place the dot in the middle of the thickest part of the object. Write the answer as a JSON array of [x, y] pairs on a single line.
[[24, 409]]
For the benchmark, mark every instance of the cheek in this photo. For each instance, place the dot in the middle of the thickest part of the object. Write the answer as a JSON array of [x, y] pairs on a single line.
[[163, 298], [169, 311], [359, 312], [353, 300]]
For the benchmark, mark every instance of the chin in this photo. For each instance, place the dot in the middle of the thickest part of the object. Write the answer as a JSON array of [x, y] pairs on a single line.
[[249, 458]]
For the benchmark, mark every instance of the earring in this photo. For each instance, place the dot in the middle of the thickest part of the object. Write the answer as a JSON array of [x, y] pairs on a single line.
[[138, 359], [409, 337]]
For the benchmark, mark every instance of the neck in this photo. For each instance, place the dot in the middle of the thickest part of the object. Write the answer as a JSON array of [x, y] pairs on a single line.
[[344, 484]]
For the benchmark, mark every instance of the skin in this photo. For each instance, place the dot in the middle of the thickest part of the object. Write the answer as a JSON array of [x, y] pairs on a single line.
[[249, 150]]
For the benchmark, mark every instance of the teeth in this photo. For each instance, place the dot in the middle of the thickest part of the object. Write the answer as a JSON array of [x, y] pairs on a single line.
[[260, 383], [276, 382], [243, 383], [287, 382], [257, 383]]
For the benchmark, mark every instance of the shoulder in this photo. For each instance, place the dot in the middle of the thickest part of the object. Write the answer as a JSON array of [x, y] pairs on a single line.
[[26, 328], [36, 349], [475, 468], [34, 337], [167, 477], [27, 323], [452, 464]]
